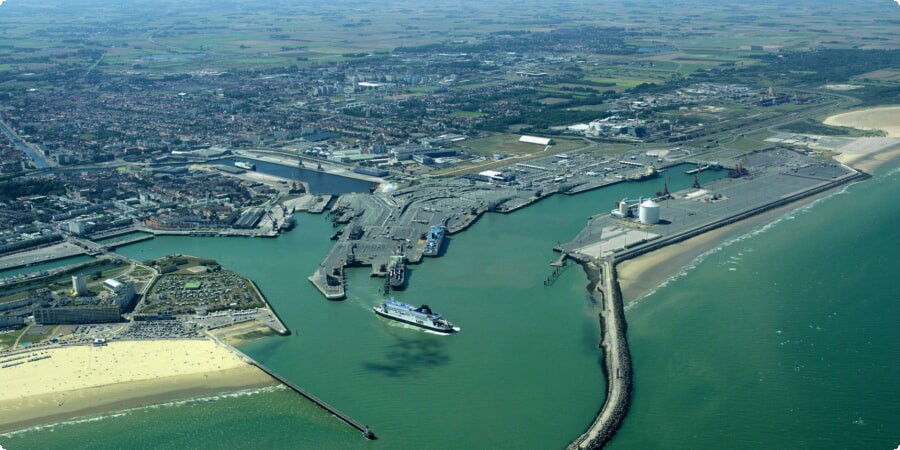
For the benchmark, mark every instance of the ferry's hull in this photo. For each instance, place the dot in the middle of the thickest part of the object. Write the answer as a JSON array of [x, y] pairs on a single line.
[[409, 322], [398, 283], [396, 274], [435, 249], [434, 241]]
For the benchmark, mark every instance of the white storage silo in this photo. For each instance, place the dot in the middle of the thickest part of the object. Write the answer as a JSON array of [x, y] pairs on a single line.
[[623, 208], [648, 212]]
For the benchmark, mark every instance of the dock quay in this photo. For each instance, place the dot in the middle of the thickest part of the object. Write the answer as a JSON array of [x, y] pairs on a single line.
[[561, 260], [275, 324], [380, 224], [106, 234], [377, 224], [213, 233], [41, 254], [557, 271], [133, 240]]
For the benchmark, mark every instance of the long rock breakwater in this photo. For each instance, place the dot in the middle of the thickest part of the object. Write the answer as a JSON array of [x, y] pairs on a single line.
[[617, 359]]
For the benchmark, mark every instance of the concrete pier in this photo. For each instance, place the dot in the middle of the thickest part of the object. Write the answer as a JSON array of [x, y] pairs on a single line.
[[343, 417], [136, 239], [276, 324], [367, 433]]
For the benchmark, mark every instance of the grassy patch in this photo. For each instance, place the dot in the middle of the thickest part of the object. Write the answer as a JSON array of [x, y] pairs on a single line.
[[889, 75], [501, 143], [553, 100], [753, 141], [810, 126], [9, 338], [621, 83], [548, 89], [255, 334], [468, 113], [37, 334]]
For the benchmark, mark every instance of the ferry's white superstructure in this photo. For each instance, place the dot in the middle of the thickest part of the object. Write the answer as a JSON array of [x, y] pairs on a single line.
[[421, 317]]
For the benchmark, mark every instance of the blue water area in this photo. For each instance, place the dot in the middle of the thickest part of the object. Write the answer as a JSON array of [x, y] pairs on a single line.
[[44, 266], [39, 161], [783, 338]]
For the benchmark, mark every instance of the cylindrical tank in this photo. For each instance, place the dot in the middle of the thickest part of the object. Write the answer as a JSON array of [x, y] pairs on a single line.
[[623, 208], [648, 212]]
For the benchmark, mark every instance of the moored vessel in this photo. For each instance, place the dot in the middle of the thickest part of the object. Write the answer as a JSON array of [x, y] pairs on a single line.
[[422, 316], [288, 223], [649, 173], [396, 272], [245, 165], [433, 240]]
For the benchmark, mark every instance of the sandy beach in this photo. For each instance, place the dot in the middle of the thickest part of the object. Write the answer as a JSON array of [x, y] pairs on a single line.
[[641, 275], [867, 154], [76, 381], [886, 119]]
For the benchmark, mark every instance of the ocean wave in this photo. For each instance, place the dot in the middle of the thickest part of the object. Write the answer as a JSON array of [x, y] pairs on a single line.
[[787, 216], [891, 172], [53, 426], [126, 412]]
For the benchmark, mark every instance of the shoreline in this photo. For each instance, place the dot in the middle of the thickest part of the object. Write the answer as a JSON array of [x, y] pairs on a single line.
[[70, 382], [883, 118], [32, 411], [642, 275], [870, 157]]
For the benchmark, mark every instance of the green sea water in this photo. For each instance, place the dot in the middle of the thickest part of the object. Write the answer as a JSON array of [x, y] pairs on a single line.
[[525, 370], [785, 338], [8, 273]]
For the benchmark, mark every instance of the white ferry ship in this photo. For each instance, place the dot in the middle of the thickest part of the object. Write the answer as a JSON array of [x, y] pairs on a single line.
[[422, 316]]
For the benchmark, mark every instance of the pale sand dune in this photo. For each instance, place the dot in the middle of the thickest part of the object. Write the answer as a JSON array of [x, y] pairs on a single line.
[[867, 154], [79, 380], [886, 119]]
